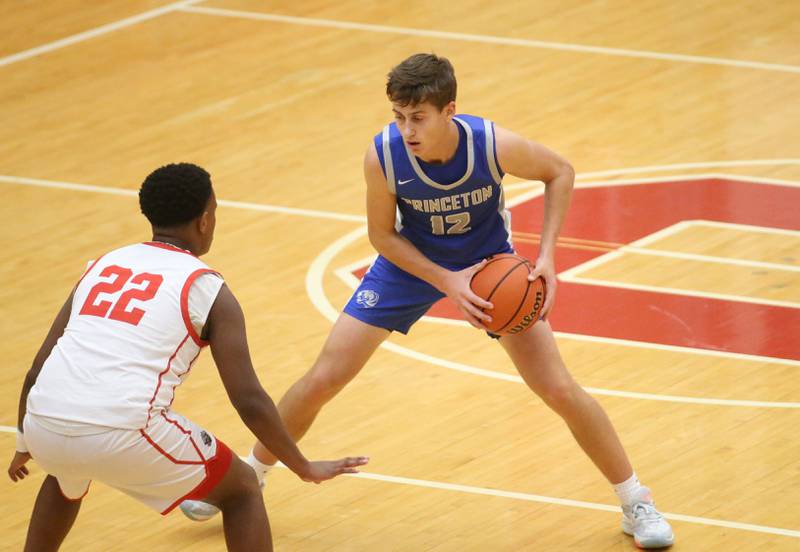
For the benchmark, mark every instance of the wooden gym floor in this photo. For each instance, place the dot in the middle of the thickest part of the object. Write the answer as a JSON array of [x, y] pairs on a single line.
[[680, 260]]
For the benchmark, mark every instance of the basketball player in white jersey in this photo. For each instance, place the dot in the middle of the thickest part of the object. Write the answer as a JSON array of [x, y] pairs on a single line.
[[96, 402], [442, 172]]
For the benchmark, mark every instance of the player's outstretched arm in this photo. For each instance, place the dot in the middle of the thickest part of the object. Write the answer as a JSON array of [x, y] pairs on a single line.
[[381, 212], [225, 329], [17, 469], [531, 161]]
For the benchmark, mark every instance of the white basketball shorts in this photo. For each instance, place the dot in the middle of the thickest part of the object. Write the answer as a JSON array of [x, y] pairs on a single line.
[[170, 461]]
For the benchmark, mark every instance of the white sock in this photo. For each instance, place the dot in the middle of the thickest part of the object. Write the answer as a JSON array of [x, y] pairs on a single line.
[[260, 469], [628, 489]]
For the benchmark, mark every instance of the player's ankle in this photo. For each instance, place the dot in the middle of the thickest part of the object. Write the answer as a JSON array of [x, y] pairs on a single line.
[[259, 467], [628, 489]]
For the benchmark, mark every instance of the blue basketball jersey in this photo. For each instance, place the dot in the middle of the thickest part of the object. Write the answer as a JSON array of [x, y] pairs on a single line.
[[454, 213]]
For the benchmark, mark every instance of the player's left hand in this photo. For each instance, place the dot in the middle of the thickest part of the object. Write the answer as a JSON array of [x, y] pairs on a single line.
[[546, 268], [17, 469]]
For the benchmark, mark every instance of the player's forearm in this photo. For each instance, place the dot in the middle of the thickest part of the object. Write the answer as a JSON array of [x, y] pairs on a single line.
[[557, 195], [262, 418], [406, 256], [30, 380]]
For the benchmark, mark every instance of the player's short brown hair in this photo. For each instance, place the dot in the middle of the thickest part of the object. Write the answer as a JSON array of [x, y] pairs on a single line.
[[422, 78]]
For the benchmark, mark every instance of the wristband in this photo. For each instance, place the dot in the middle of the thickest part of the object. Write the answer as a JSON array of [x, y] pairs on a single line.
[[21, 442]]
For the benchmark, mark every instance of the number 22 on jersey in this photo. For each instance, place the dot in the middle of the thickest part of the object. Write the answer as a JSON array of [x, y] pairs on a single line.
[[119, 309]]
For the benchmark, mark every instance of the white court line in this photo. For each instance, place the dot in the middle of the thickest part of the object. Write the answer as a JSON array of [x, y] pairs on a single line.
[[569, 274], [345, 273], [681, 178], [678, 291], [709, 258], [748, 228], [638, 247], [222, 202], [516, 200], [568, 502], [98, 31], [316, 292], [684, 166], [573, 274], [677, 179], [488, 39], [484, 491]]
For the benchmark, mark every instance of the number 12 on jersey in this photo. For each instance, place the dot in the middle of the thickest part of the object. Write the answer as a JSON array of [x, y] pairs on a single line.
[[121, 277], [459, 223]]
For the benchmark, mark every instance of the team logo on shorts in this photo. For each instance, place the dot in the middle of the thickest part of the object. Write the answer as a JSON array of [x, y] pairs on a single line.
[[367, 298], [206, 438]]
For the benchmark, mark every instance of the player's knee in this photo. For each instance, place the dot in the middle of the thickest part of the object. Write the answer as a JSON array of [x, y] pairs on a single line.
[[240, 483], [329, 375], [560, 395], [246, 492], [323, 383]]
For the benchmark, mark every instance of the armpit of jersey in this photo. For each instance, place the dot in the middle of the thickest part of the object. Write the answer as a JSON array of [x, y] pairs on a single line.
[[202, 295]]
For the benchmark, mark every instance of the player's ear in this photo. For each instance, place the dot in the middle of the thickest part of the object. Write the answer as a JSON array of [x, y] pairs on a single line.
[[204, 222], [450, 109]]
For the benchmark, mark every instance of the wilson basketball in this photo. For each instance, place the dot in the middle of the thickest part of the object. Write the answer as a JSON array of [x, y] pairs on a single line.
[[504, 283]]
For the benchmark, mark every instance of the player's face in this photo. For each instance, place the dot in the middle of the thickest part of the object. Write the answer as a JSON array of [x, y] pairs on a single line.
[[424, 126], [210, 223]]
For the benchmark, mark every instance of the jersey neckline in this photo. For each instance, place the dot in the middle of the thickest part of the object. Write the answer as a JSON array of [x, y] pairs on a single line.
[[169, 247], [470, 162]]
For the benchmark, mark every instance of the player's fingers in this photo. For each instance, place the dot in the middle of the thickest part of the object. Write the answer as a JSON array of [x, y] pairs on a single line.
[[476, 267], [479, 301], [471, 319], [549, 302], [351, 461], [477, 313]]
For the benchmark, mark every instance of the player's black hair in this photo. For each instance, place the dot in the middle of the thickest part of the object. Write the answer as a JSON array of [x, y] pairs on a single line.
[[422, 78], [175, 194]]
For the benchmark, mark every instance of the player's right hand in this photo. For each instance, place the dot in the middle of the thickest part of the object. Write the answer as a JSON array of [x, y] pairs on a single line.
[[17, 469], [320, 471], [457, 288]]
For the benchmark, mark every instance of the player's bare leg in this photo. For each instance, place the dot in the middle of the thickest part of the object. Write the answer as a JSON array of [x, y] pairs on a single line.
[[244, 516], [348, 348], [536, 356], [52, 518], [538, 361]]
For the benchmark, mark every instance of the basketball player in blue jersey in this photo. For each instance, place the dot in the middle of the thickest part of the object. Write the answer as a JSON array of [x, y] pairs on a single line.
[[442, 172]]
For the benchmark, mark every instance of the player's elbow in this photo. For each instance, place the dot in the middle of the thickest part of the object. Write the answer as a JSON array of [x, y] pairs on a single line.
[[251, 405], [380, 238], [566, 172]]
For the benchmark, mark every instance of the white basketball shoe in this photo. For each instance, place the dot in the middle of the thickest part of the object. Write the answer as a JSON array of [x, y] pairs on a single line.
[[197, 510], [645, 524]]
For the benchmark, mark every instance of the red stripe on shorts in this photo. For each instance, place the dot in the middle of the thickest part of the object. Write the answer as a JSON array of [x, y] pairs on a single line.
[[216, 468]]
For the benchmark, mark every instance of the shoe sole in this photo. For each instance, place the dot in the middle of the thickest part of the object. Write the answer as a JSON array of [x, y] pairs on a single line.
[[195, 517], [654, 543]]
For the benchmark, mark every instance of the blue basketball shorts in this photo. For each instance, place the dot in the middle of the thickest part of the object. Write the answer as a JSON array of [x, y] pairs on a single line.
[[391, 298]]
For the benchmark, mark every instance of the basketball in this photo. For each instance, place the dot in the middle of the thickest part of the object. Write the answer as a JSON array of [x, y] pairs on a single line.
[[517, 301]]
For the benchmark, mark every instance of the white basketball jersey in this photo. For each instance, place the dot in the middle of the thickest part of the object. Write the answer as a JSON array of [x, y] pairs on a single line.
[[130, 339]]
